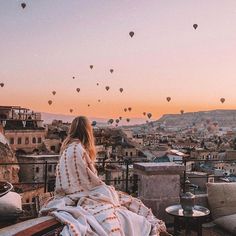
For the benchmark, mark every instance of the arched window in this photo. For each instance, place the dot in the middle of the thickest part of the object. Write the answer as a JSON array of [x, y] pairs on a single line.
[[27, 140], [34, 140]]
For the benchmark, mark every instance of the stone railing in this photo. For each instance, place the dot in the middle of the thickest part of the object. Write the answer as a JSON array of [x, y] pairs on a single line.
[[159, 186]]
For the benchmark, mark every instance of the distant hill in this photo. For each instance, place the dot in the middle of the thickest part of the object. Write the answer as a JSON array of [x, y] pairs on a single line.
[[49, 117], [224, 118]]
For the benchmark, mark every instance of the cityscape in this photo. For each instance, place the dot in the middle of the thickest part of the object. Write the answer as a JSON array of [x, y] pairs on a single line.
[[156, 83]]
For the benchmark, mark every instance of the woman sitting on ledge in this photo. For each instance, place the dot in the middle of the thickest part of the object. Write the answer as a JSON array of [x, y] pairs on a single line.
[[85, 204]]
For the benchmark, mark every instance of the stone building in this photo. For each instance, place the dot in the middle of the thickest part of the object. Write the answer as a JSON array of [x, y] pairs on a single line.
[[35, 171], [23, 128], [7, 172]]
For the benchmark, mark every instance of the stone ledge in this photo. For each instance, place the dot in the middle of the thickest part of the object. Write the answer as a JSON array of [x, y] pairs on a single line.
[[158, 168]]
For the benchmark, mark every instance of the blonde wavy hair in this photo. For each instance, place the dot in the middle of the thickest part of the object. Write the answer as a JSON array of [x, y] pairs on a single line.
[[81, 131]]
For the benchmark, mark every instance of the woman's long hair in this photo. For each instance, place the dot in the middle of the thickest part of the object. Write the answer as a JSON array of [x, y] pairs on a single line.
[[81, 130]]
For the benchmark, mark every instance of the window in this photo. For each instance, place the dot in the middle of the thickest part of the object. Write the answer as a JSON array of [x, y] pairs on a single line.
[[11, 140], [19, 141], [50, 168], [53, 148], [115, 181], [126, 153], [131, 154], [27, 140], [34, 140], [119, 180], [37, 169], [39, 140]]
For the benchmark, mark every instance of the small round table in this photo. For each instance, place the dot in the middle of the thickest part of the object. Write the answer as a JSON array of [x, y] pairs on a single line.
[[188, 221]]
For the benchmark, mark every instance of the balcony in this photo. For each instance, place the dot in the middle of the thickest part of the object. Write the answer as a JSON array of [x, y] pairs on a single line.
[[162, 182]]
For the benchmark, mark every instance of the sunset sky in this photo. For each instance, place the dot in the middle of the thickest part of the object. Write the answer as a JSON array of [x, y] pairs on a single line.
[[43, 46]]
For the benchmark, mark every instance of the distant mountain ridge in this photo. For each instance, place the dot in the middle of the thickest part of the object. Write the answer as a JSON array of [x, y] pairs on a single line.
[[224, 118]]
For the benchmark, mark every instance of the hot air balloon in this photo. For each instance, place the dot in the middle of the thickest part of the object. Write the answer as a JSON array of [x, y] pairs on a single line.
[[182, 112], [168, 99], [131, 34], [2, 84], [117, 121], [78, 90], [50, 102], [94, 123], [54, 92], [222, 100], [71, 110], [111, 70], [110, 121], [23, 5], [125, 109], [121, 90], [144, 113], [99, 100], [107, 88], [73, 77], [97, 84], [149, 115], [91, 67], [195, 26], [129, 109], [120, 117], [88, 105], [128, 120]]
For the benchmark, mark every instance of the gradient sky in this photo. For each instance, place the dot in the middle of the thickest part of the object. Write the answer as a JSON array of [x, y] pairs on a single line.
[[44, 45]]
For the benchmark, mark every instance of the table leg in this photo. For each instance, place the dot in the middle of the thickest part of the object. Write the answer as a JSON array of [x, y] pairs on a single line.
[[176, 228], [199, 228]]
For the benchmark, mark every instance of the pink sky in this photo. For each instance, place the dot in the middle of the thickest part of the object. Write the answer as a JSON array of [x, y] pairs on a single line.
[[48, 42]]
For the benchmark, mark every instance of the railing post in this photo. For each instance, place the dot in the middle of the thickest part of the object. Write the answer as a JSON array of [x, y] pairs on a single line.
[[45, 176], [127, 176], [184, 187]]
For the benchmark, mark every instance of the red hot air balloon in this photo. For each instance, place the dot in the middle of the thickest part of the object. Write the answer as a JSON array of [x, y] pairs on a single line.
[[111, 70], [107, 88], [125, 109], [149, 115], [71, 110], [195, 26], [91, 67], [23, 5], [2, 85], [50, 102], [120, 117], [182, 112], [78, 90], [222, 100], [131, 34], [110, 121], [73, 77], [117, 121], [129, 109], [144, 113], [88, 105], [121, 90], [97, 84], [54, 92], [168, 99], [99, 100], [128, 120]]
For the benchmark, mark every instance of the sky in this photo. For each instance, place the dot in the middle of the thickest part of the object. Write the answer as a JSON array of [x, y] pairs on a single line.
[[44, 45]]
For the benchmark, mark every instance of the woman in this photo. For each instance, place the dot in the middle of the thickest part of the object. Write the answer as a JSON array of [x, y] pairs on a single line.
[[85, 204]]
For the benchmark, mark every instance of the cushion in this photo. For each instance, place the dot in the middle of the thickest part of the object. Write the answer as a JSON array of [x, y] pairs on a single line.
[[228, 223], [10, 204], [222, 199]]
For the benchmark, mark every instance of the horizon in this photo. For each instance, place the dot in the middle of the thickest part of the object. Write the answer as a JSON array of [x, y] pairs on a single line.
[[44, 45]]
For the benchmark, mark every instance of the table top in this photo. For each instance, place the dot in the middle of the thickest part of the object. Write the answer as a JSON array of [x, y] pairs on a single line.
[[198, 211]]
